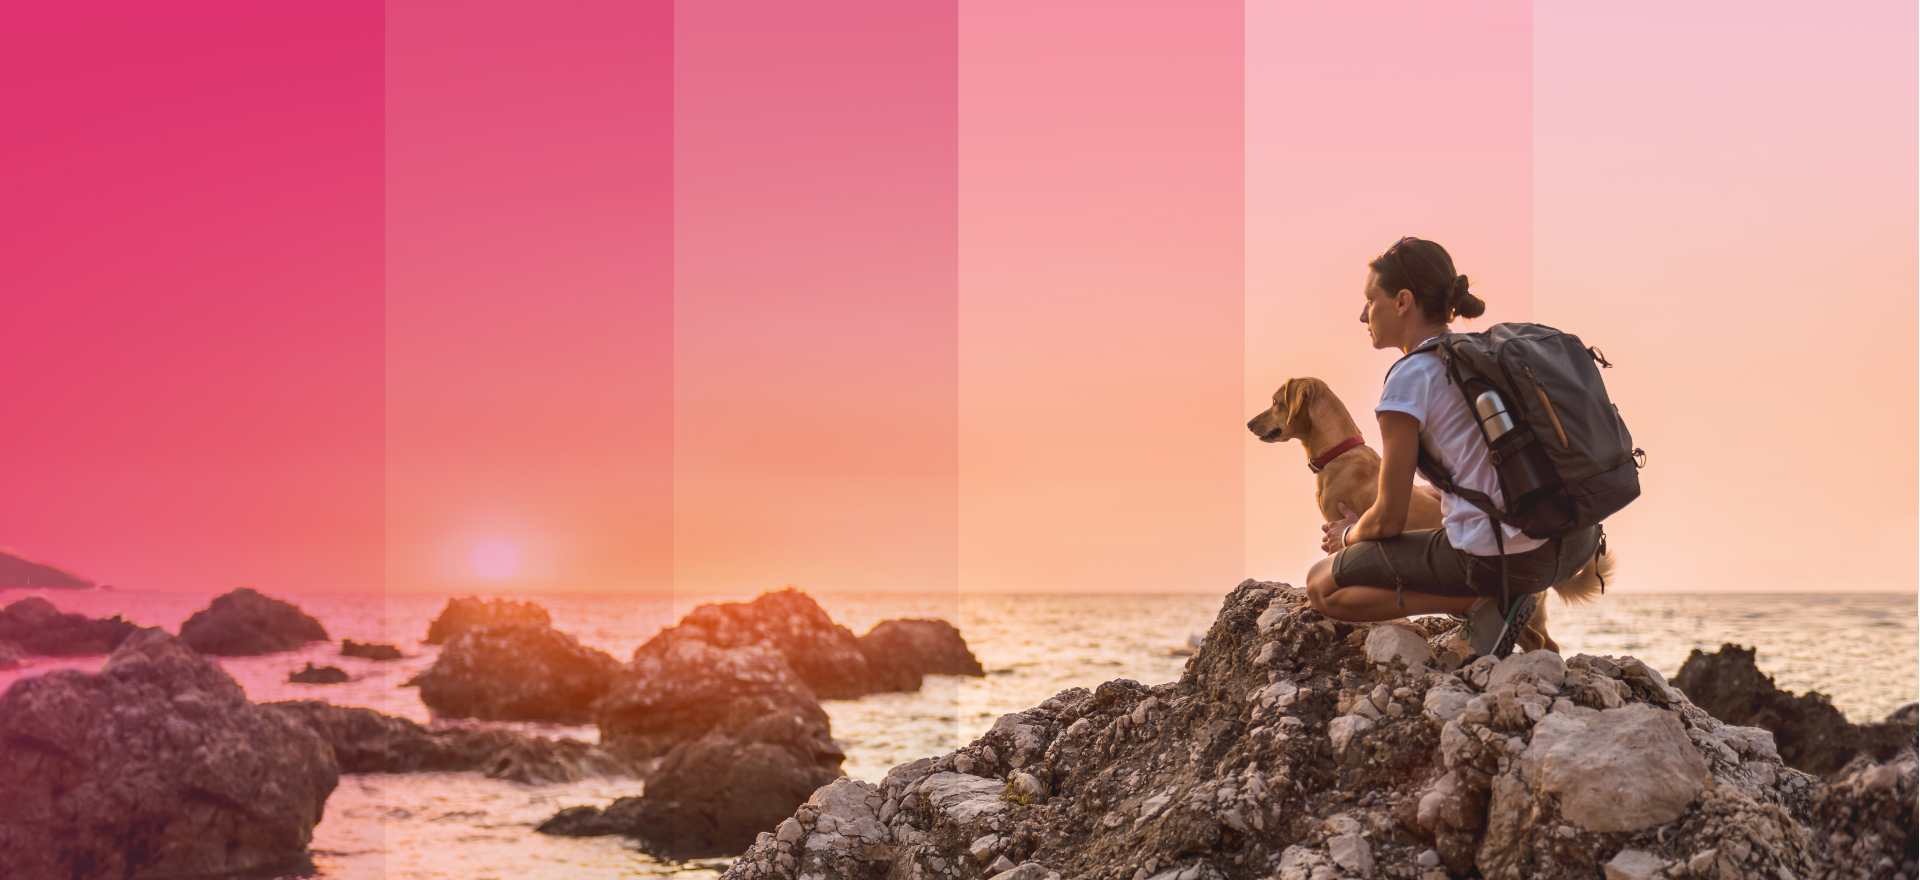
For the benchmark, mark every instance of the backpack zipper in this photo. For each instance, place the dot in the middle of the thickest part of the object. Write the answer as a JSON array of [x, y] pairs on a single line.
[[1542, 391]]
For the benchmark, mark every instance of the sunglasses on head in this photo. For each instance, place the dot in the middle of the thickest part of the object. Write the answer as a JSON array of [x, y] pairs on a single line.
[[1397, 243]]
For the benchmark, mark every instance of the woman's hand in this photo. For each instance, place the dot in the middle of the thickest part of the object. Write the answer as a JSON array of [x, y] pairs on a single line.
[[1332, 538]]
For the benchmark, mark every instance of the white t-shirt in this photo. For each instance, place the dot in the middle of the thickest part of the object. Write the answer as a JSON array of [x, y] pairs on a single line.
[[1418, 387]]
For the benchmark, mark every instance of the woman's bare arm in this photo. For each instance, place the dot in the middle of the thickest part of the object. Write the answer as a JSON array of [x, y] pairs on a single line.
[[1399, 449]]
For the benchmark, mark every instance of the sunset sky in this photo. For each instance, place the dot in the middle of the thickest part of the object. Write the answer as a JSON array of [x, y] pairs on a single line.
[[870, 295]]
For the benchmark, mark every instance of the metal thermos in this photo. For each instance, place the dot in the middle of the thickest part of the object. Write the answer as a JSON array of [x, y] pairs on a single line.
[[1494, 421]]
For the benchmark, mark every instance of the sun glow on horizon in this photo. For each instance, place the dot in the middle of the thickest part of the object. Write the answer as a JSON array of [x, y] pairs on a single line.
[[496, 559]]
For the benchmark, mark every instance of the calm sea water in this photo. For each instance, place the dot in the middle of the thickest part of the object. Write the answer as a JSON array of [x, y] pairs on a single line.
[[1861, 649]]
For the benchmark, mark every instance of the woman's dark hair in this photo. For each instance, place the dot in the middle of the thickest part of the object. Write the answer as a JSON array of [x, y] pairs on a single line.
[[1423, 267]]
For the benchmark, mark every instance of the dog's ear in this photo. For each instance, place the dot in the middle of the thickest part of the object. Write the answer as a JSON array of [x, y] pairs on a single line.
[[1296, 397]]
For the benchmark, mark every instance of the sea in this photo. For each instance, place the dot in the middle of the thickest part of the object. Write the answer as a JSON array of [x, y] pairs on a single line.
[[1860, 649]]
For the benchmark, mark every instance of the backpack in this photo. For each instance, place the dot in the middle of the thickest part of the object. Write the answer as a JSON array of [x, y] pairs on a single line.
[[1564, 456]]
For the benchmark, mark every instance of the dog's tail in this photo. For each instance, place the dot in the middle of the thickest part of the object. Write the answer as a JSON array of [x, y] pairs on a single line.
[[1586, 585]]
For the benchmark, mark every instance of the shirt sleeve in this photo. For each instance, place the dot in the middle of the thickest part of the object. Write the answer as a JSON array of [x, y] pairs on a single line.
[[1406, 391]]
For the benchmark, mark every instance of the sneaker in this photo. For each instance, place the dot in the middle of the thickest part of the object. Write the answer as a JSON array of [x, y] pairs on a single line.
[[1492, 635]]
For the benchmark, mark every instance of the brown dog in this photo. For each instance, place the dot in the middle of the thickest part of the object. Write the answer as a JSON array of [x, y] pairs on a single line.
[[1305, 409]]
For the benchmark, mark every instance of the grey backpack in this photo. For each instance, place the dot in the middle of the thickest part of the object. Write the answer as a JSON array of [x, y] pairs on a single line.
[[1563, 454]]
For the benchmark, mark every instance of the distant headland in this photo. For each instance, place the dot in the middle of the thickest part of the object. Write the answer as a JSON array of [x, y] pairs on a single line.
[[18, 571]]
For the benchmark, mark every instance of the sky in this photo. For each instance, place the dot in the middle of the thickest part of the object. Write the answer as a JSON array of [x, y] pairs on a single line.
[[965, 297]]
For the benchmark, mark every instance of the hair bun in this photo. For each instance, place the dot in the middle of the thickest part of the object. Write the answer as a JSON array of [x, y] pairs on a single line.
[[1465, 304]]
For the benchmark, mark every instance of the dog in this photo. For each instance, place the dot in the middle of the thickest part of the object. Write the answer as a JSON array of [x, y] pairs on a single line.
[[1307, 410]]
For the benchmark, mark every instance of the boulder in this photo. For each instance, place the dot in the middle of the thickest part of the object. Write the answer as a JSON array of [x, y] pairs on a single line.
[[900, 652], [678, 688], [243, 623], [1234, 773], [824, 654], [318, 675], [1811, 734], [351, 648], [711, 796], [515, 672], [9, 655], [39, 628], [156, 767], [366, 741], [472, 611]]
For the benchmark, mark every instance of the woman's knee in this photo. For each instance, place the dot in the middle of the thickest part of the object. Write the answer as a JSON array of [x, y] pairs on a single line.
[[1320, 584]]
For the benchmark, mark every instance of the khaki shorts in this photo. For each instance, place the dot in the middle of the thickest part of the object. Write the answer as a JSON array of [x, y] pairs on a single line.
[[1424, 561]]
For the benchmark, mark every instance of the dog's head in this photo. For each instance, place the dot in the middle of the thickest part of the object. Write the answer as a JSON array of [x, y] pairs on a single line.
[[1287, 419]]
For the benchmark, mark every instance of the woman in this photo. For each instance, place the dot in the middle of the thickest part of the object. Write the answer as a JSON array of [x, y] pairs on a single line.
[[1378, 571]]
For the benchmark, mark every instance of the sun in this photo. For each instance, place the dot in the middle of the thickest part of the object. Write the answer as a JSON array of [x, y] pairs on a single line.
[[496, 559]]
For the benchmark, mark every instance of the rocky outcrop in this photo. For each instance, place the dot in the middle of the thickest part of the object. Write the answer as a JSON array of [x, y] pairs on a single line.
[[710, 796], [900, 652], [1299, 747], [515, 672], [1865, 819], [461, 614], [244, 623], [158, 766], [18, 571], [822, 653], [9, 655], [678, 688], [351, 648], [39, 628], [1812, 735], [318, 675], [366, 741]]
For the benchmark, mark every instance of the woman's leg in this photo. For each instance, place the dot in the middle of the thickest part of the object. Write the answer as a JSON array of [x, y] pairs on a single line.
[[1364, 604]]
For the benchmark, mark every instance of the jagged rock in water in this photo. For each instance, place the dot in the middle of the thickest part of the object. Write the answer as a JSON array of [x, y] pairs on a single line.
[[472, 611], [710, 796], [156, 767], [1812, 735], [318, 675], [1865, 818], [18, 571], [39, 628], [900, 652], [366, 741], [515, 672], [824, 654], [678, 688], [243, 623], [351, 648], [1285, 751]]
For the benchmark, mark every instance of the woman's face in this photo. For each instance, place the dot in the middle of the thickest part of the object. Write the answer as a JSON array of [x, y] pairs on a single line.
[[1380, 313]]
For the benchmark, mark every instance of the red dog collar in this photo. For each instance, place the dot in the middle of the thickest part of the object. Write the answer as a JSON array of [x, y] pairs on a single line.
[[1319, 464]]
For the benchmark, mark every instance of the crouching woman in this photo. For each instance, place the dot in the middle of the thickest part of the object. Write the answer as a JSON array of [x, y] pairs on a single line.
[[1376, 570]]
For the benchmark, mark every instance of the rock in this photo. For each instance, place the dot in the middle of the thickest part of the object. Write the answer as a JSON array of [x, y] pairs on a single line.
[[36, 627], [825, 655], [158, 766], [1811, 734], [1620, 770], [9, 655], [351, 648], [319, 675], [1865, 818], [366, 741], [900, 652], [243, 623], [461, 614], [712, 796], [515, 672], [1388, 643], [1632, 864], [18, 571], [678, 688], [1228, 774]]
